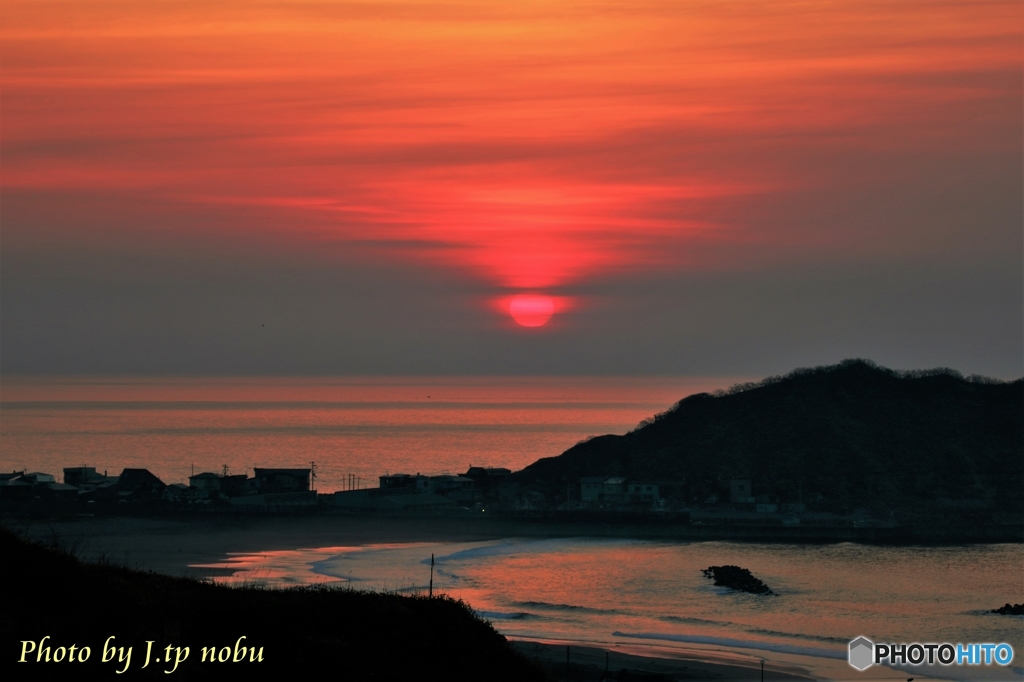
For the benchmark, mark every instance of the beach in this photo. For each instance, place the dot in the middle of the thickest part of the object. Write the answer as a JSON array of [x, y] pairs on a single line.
[[172, 546], [396, 551]]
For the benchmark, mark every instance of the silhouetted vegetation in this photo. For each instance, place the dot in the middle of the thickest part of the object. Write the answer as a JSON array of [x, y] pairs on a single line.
[[334, 633], [925, 447]]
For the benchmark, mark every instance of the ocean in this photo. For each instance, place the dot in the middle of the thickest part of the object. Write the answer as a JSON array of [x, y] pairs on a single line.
[[354, 429], [652, 598]]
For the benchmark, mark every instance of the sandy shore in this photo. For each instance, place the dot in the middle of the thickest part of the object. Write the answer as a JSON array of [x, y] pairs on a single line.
[[591, 662], [172, 546]]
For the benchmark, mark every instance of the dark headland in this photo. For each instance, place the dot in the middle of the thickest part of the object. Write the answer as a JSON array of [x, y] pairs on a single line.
[[927, 455]]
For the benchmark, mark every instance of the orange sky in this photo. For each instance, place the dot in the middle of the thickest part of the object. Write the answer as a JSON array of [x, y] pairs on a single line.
[[534, 145], [713, 186]]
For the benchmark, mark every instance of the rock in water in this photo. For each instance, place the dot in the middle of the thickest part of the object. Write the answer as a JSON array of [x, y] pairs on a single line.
[[1010, 610], [737, 578]]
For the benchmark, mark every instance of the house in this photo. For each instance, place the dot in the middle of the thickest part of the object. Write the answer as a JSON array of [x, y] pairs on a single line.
[[86, 476], [482, 473], [642, 492], [591, 488], [205, 485], [176, 492], [740, 491], [139, 483], [455, 487], [488, 479], [282, 480], [57, 492], [415, 484], [233, 485], [14, 487], [38, 478], [614, 489]]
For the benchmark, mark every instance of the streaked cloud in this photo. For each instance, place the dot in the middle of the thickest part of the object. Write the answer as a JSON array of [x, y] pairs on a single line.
[[543, 147]]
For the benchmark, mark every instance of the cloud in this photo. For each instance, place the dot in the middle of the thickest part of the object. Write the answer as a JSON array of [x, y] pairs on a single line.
[[495, 150]]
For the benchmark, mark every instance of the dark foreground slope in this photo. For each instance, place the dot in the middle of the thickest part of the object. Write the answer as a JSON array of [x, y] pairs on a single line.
[[841, 437], [336, 634]]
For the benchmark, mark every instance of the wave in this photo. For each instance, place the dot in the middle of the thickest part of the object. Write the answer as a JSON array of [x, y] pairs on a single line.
[[563, 607], [816, 638], [509, 547], [738, 644], [498, 549], [693, 621], [753, 631], [501, 615]]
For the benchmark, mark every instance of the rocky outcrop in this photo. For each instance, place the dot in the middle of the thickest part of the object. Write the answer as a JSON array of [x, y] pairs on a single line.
[[1010, 610], [736, 578]]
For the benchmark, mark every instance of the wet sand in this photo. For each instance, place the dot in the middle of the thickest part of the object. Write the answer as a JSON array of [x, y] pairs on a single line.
[[591, 662], [172, 547]]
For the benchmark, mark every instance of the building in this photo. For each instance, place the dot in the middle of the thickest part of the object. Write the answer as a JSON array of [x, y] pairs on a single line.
[[282, 480], [86, 476], [14, 487], [617, 490], [614, 490], [38, 478], [447, 483], [139, 483], [177, 492], [205, 485], [642, 492], [488, 479], [408, 482], [740, 491], [591, 488], [234, 485]]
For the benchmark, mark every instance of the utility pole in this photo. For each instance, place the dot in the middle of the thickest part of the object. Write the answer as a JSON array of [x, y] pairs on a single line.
[[430, 594]]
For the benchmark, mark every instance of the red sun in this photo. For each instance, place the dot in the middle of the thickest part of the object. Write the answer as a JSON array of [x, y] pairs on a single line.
[[531, 310]]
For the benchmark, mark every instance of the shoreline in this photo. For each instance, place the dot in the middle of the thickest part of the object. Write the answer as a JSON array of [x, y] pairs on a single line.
[[250, 532], [172, 545], [178, 547], [596, 657], [694, 662]]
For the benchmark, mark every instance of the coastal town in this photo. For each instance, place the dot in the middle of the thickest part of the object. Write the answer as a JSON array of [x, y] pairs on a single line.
[[292, 488], [731, 508], [479, 491]]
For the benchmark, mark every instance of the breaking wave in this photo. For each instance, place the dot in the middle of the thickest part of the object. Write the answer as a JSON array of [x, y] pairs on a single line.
[[737, 643]]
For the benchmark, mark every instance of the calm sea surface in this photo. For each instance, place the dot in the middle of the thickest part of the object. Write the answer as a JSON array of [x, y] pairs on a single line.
[[364, 427], [652, 596]]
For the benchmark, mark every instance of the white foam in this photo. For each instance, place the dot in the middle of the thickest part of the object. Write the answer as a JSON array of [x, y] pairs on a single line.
[[738, 644]]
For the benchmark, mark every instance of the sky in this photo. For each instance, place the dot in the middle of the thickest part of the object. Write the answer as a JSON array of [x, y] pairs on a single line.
[[539, 188]]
